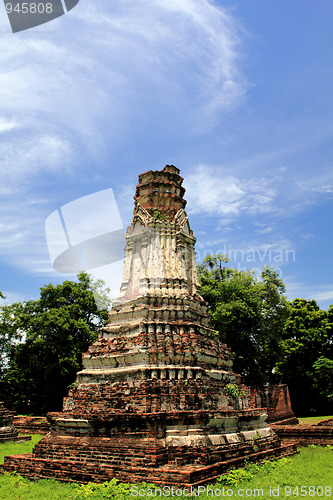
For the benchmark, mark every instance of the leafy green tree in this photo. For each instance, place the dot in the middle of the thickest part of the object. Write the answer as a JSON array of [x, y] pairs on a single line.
[[234, 303], [307, 336], [275, 341], [249, 314], [9, 334], [324, 370], [275, 310], [55, 330]]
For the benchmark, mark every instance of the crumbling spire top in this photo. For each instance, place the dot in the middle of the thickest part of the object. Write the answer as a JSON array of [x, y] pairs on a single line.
[[161, 192]]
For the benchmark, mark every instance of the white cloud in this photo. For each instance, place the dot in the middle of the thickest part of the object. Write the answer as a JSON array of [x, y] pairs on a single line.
[[207, 193], [308, 236], [184, 53], [201, 244], [94, 77], [7, 124], [275, 193], [324, 295], [12, 297], [263, 228], [281, 248], [322, 183], [210, 192], [321, 293]]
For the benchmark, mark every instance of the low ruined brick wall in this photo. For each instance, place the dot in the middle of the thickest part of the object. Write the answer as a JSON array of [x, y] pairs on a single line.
[[304, 435], [31, 425], [276, 399]]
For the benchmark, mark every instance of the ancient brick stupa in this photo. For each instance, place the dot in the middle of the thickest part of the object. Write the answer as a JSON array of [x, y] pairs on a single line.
[[157, 399], [7, 429]]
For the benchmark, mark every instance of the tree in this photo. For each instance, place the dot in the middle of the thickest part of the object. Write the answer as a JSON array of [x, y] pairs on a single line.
[[248, 313], [275, 310], [275, 341], [324, 370], [234, 303], [9, 334], [55, 330], [307, 336]]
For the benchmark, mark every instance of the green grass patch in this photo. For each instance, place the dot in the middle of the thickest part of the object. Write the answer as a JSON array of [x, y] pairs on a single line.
[[18, 447], [14, 486], [284, 478], [308, 474], [312, 420]]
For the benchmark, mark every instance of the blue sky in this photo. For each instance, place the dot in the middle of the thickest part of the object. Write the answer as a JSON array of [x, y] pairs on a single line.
[[238, 95]]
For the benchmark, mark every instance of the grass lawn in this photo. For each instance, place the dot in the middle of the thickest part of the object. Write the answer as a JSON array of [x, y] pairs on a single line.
[[312, 420], [308, 474], [17, 447]]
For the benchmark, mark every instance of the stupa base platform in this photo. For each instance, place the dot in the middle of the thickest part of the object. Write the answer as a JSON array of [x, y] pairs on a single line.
[[135, 460]]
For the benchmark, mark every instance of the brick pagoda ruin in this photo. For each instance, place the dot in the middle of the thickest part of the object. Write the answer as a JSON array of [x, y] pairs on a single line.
[[7, 429], [157, 399]]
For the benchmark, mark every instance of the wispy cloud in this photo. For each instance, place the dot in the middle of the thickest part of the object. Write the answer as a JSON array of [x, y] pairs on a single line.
[[210, 194], [321, 184], [120, 62], [99, 75], [210, 191], [6, 125], [322, 293], [11, 298]]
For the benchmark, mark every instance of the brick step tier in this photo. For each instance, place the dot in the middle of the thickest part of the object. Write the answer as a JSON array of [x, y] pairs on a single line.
[[14, 438], [141, 452], [8, 434], [11, 434], [93, 463], [305, 435]]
